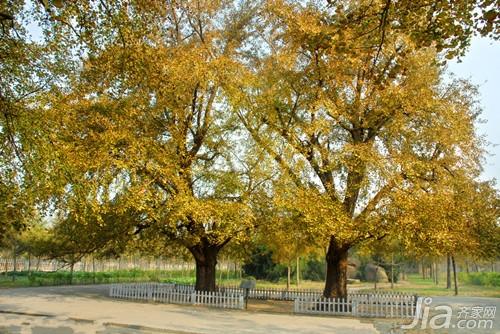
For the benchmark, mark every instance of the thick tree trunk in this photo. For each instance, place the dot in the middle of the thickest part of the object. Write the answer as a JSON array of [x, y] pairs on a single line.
[[454, 274], [336, 270], [206, 262]]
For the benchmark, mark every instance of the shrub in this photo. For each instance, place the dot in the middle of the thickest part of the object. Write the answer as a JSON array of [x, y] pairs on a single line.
[[482, 279], [314, 269], [261, 265]]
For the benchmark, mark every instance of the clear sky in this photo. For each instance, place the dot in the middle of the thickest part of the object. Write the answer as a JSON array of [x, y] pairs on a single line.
[[482, 66]]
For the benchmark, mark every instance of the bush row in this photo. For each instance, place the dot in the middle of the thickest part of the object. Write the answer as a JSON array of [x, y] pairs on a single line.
[[24, 278], [483, 279]]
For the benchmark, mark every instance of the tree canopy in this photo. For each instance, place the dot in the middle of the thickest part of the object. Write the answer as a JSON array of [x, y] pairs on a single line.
[[350, 101], [193, 119]]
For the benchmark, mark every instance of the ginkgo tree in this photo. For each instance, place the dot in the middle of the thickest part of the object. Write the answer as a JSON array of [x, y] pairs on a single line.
[[282, 229], [141, 124], [349, 100], [145, 115], [459, 218], [23, 78]]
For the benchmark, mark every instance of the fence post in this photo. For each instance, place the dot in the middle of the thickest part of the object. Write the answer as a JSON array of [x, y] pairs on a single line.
[[193, 297], [418, 307], [241, 302]]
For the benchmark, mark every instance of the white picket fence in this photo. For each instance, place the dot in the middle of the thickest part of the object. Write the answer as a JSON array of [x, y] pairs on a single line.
[[258, 293], [292, 294], [363, 305], [172, 293], [390, 305], [273, 294]]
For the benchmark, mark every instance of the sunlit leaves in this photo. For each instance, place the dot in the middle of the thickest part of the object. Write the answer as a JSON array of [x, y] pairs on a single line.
[[143, 127], [351, 104]]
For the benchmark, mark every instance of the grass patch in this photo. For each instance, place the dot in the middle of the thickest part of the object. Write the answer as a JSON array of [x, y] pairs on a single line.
[[426, 287], [482, 279]]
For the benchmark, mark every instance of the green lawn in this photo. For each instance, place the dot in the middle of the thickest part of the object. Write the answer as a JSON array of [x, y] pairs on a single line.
[[416, 285]]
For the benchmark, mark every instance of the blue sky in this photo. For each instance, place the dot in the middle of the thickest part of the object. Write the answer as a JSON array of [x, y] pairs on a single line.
[[481, 66]]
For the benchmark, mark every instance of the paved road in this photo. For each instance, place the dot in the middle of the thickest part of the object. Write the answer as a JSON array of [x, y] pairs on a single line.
[[71, 310], [87, 309]]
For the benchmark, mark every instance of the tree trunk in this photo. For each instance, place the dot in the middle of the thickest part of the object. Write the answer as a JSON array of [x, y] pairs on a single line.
[[448, 272], [436, 273], [298, 271], [288, 276], [336, 270], [423, 269], [29, 264], [72, 269], [205, 257], [392, 271], [454, 274], [93, 269], [14, 272]]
